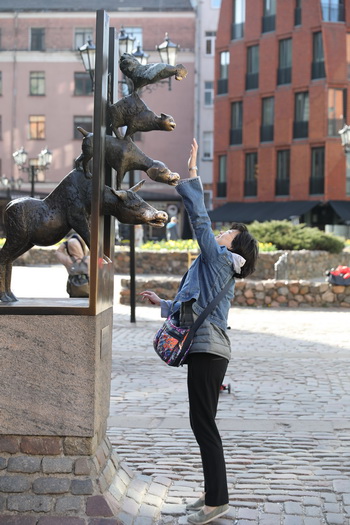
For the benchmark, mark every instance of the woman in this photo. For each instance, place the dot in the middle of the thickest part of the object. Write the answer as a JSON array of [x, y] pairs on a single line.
[[230, 254]]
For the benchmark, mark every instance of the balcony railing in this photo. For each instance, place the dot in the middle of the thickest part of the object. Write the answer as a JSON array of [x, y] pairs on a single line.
[[250, 188], [333, 13], [222, 86], [282, 187], [237, 31], [297, 16], [334, 125], [316, 185], [268, 23], [266, 133], [318, 70], [300, 129], [221, 189], [236, 136], [252, 81], [284, 75]]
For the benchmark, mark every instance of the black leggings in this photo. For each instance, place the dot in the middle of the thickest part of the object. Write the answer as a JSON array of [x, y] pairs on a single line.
[[204, 379]]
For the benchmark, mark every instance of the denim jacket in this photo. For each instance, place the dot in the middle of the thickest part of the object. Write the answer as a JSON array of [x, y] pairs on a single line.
[[212, 269]]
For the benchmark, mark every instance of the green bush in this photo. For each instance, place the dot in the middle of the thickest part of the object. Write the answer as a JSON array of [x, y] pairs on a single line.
[[287, 236]]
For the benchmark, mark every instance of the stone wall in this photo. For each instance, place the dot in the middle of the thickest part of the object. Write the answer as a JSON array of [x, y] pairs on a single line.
[[301, 264], [294, 293]]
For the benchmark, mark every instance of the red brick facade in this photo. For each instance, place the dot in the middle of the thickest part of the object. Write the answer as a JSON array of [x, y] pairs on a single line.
[[336, 76]]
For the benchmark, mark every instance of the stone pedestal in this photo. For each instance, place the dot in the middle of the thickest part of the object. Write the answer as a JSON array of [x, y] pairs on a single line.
[[57, 466]]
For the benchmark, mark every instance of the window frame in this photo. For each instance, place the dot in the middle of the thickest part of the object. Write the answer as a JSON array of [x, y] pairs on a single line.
[[35, 82], [36, 39], [35, 133], [86, 82]]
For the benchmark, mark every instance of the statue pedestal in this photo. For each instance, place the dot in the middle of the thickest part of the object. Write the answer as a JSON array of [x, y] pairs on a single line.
[[55, 459]]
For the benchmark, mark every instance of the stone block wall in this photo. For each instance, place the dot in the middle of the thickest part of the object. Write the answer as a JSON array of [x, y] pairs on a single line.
[[273, 293], [303, 264], [49, 480]]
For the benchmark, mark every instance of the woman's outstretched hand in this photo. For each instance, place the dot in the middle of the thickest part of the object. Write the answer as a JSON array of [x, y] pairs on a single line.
[[151, 297], [192, 161]]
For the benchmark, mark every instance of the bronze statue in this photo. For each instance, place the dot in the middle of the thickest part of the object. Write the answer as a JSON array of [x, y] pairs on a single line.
[[30, 222], [123, 155], [133, 113], [141, 75]]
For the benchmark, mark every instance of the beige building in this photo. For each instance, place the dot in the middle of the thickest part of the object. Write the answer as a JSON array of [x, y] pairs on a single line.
[[45, 92]]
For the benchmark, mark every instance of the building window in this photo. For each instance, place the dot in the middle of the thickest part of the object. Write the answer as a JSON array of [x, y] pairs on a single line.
[[238, 19], [82, 35], [252, 76], [210, 43], [269, 16], [37, 83], [222, 183], [317, 171], [317, 66], [297, 13], [336, 113], [267, 119], [207, 145], [208, 93], [223, 80], [251, 172], [283, 172], [82, 84], [284, 72], [236, 122], [82, 122], [301, 115], [37, 127], [333, 10], [37, 39], [135, 32]]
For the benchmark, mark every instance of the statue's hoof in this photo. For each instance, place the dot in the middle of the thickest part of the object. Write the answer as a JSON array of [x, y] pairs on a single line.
[[8, 298]]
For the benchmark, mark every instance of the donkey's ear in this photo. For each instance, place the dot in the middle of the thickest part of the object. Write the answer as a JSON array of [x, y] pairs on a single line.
[[138, 186]]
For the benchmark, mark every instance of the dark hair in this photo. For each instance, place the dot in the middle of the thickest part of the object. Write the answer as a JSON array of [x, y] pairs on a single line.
[[245, 245]]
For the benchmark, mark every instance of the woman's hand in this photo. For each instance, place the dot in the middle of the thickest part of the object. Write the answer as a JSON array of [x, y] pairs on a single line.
[[151, 297], [192, 161]]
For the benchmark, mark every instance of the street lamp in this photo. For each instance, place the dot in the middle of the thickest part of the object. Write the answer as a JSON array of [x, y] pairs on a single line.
[[126, 42], [345, 138], [88, 56], [44, 160], [140, 55], [10, 184], [168, 52]]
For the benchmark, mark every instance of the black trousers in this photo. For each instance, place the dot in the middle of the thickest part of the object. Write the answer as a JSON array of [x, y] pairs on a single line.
[[204, 379]]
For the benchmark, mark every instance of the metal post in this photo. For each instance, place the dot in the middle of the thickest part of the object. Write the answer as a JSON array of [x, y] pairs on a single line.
[[32, 181], [132, 261]]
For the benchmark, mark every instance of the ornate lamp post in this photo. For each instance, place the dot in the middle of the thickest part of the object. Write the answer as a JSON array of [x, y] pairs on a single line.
[[44, 160], [140, 54], [10, 184], [345, 138], [88, 56], [126, 42], [168, 52]]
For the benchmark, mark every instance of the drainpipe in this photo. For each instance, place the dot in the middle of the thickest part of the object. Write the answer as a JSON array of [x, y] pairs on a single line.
[[14, 89]]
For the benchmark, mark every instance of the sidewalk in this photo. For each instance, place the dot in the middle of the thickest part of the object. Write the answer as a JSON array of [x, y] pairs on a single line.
[[285, 426]]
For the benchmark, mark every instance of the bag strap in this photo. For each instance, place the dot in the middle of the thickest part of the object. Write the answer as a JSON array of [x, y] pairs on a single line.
[[209, 308]]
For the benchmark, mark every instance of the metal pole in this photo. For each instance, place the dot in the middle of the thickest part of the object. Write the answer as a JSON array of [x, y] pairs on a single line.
[[132, 262], [32, 181]]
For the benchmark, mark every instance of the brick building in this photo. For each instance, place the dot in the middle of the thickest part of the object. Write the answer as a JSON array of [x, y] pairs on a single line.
[[282, 73], [45, 92]]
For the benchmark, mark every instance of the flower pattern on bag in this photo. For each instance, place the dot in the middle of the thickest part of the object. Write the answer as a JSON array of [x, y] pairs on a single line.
[[169, 343]]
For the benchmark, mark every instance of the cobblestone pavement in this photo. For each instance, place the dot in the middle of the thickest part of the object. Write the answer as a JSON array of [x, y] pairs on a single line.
[[285, 425]]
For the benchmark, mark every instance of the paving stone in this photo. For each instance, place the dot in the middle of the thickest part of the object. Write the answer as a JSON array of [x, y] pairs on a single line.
[[14, 484], [62, 465], [24, 464], [51, 485], [17, 520], [29, 502]]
